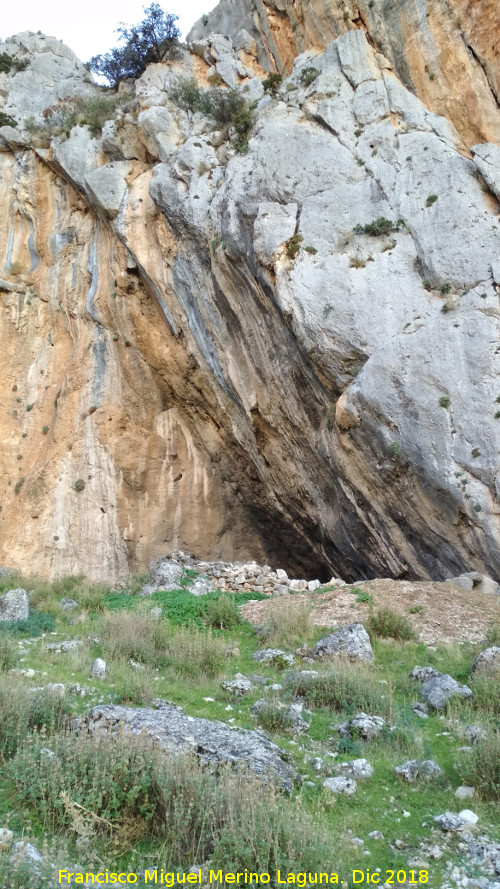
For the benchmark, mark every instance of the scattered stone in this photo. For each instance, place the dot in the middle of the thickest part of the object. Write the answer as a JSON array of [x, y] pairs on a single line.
[[292, 713], [200, 587], [49, 754], [55, 689], [240, 685], [25, 852], [28, 672], [98, 669], [352, 641], [440, 689], [77, 689], [420, 709], [415, 768], [166, 574], [362, 725], [317, 764], [313, 585], [451, 821], [66, 645], [340, 785], [68, 604], [135, 664], [170, 729], [14, 605], [273, 656], [465, 792], [487, 662], [156, 612], [356, 768], [474, 734], [375, 835], [6, 836]]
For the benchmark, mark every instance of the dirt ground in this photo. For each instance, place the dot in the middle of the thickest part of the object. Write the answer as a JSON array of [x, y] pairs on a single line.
[[449, 613]]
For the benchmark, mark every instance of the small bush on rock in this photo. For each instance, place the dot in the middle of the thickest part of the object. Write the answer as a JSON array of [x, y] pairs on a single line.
[[378, 228], [227, 106], [272, 83], [308, 75]]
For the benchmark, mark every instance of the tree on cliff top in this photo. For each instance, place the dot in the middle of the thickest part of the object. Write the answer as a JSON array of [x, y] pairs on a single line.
[[152, 40]]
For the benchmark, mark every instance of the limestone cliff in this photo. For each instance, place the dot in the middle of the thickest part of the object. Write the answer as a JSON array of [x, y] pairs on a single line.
[[178, 373], [445, 51]]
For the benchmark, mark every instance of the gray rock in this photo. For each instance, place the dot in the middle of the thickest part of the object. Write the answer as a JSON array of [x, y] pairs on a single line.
[[271, 655], [240, 685], [375, 835], [420, 709], [317, 764], [438, 691], [213, 742], [165, 574], [107, 186], [465, 792], [292, 713], [201, 587], [14, 605], [415, 768], [473, 734], [451, 821], [67, 604], [98, 669], [25, 853], [6, 835], [156, 612], [356, 768], [362, 725], [352, 641], [422, 674], [346, 786], [487, 160], [65, 645], [479, 582], [487, 662], [55, 689]]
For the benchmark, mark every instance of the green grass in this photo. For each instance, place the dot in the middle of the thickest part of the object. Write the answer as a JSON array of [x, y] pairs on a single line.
[[231, 822]]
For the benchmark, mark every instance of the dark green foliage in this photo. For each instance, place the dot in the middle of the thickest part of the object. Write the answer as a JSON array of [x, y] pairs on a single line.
[[227, 106], [45, 429], [7, 63], [6, 120], [389, 624], [29, 407], [311, 250], [272, 83], [395, 449], [362, 596], [444, 401], [274, 719], [377, 228], [34, 625], [426, 284], [181, 608], [308, 76], [79, 485], [475, 452], [445, 288], [293, 245], [152, 40], [431, 200], [18, 485]]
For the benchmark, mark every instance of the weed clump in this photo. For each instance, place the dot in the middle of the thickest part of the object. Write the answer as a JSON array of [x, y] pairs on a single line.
[[308, 75], [347, 688], [293, 245], [227, 106], [377, 228], [272, 83], [480, 767], [222, 613], [389, 624]]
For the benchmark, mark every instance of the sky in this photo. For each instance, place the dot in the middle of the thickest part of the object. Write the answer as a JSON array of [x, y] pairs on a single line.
[[88, 28]]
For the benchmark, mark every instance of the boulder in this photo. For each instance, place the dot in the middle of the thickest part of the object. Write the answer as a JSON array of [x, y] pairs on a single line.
[[420, 709], [487, 662], [292, 713], [356, 768], [170, 729], [14, 605], [422, 674], [200, 587], [165, 574], [362, 725], [67, 604], [415, 768], [437, 691], [352, 641], [272, 656], [240, 685], [65, 645], [98, 669], [346, 786], [473, 734], [451, 821]]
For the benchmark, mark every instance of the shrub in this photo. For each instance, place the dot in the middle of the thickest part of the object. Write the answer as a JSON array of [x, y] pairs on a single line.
[[445, 288], [311, 250], [6, 120], [389, 624], [293, 245], [22, 711], [222, 613], [347, 687], [486, 694], [272, 83], [475, 452], [395, 449], [493, 634], [308, 75], [431, 200], [362, 596], [227, 106], [18, 485], [377, 228], [75, 111], [426, 284], [215, 79], [480, 768], [9, 654], [274, 719], [45, 429], [288, 623], [444, 401], [7, 63], [34, 625], [195, 653], [79, 484], [126, 634], [152, 40]]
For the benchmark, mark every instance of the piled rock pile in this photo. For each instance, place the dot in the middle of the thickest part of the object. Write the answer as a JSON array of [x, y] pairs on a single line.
[[236, 577]]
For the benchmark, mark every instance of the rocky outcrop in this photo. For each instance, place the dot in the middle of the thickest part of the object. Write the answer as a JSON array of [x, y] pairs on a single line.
[[213, 743], [442, 50], [171, 367]]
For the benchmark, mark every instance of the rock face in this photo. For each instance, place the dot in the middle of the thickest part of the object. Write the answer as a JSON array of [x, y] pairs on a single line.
[[14, 605], [487, 662], [171, 370], [213, 742], [443, 52]]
